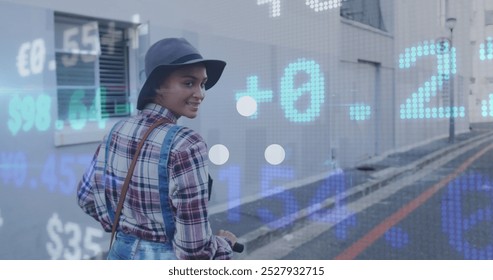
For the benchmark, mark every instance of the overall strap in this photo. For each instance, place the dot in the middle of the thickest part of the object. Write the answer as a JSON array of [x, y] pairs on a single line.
[[129, 175], [169, 222]]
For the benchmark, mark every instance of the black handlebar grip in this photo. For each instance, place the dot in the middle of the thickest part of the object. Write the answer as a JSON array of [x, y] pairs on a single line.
[[238, 247]]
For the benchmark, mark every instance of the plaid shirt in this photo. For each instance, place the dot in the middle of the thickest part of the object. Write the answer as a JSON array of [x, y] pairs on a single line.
[[141, 214]]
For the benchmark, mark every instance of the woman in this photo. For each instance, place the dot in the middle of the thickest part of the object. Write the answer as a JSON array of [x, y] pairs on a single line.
[[164, 212]]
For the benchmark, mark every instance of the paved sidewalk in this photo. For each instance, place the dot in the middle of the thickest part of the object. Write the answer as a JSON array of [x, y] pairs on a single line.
[[268, 218]]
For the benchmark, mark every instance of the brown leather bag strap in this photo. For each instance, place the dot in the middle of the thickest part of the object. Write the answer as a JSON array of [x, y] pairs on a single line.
[[129, 175]]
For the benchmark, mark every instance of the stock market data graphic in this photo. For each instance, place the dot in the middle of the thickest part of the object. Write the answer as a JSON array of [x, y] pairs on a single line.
[[344, 129]]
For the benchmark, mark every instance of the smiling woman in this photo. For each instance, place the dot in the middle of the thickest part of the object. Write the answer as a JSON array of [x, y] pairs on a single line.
[[183, 90], [164, 215]]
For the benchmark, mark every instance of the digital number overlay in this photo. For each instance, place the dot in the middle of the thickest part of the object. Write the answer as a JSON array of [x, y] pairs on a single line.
[[486, 49], [27, 113], [458, 221], [34, 112], [57, 174], [71, 241], [315, 5], [415, 106]]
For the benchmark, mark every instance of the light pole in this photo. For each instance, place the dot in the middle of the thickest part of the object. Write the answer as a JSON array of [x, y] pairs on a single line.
[[450, 23]]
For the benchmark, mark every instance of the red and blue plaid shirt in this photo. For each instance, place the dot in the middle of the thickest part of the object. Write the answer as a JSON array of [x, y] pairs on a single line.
[[141, 214]]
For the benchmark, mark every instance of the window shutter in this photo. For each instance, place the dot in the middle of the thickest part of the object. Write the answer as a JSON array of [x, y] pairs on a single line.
[[113, 71], [92, 69]]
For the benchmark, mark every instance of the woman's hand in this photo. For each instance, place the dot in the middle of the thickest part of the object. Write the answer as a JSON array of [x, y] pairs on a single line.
[[229, 235]]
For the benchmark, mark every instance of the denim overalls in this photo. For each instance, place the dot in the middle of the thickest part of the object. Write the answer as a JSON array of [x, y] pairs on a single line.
[[129, 247]]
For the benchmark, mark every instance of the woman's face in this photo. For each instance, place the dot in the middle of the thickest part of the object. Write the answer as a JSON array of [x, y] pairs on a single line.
[[183, 90]]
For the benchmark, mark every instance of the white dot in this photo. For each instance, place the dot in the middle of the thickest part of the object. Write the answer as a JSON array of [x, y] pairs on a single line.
[[52, 65], [136, 18], [218, 154], [246, 106], [275, 154]]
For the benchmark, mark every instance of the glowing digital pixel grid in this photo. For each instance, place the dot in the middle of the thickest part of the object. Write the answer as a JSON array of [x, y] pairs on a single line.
[[486, 49], [414, 107], [487, 107]]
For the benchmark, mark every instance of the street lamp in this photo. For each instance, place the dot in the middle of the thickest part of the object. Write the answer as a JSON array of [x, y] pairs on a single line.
[[450, 24]]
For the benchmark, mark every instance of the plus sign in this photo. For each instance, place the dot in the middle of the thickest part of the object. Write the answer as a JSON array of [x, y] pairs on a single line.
[[111, 37], [254, 92]]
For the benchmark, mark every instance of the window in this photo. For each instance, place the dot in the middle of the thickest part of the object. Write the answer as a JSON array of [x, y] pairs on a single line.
[[364, 11], [92, 71], [488, 17]]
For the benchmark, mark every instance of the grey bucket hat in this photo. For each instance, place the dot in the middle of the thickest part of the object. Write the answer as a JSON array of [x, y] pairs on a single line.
[[170, 53]]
